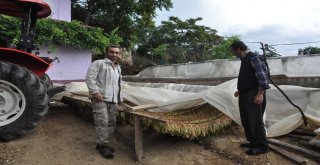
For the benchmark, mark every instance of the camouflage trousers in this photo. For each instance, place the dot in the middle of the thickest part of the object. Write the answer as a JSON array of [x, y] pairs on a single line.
[[105, 118]]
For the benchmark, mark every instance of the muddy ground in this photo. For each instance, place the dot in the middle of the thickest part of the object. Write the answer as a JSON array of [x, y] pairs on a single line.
[[63, 138]]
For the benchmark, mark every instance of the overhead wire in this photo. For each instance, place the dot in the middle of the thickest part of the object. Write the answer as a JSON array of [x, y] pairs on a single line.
[[284, 44], [297, 43]]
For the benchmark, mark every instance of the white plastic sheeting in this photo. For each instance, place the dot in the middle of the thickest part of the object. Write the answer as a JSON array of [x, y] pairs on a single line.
[[290, 66], [281, 117]]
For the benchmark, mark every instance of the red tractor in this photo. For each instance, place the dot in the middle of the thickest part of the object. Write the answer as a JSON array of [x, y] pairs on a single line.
[[24, 95]]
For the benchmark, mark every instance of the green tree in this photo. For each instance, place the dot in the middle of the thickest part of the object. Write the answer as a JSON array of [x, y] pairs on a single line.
[[223, 51], [185, 40], [311, 50], [54, 33], [160, 51], [130, 17]]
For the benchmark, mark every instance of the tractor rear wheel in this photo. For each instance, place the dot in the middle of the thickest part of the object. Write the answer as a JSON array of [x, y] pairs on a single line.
[[23, 100]]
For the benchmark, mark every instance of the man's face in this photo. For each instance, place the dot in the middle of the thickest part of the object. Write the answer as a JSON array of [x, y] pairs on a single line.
[[236, 52], [112, 54]]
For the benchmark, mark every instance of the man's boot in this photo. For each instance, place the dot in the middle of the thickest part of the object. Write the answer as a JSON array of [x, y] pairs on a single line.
[[100, 146]]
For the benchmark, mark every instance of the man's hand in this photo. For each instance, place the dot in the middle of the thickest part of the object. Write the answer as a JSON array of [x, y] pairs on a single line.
[[98, 97], [258, 99], [236, 94]]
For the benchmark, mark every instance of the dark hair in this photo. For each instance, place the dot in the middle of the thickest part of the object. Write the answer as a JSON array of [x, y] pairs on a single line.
[[239, 45], [111, 46]]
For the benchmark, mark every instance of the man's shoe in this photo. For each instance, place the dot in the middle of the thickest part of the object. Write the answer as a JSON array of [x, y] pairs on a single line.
[[112, 149], [246, 145], [257, 151], [106, 153], [100, 146]]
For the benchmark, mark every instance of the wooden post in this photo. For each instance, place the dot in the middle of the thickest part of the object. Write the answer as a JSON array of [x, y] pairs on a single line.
[[138, 138]]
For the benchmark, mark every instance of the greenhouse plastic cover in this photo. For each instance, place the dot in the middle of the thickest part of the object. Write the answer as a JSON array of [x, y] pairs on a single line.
[[280, 116]]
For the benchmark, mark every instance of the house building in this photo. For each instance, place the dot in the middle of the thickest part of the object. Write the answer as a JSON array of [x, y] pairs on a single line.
[[74, 62]]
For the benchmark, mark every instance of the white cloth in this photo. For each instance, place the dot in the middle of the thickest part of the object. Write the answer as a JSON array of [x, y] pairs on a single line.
[[281, 117]]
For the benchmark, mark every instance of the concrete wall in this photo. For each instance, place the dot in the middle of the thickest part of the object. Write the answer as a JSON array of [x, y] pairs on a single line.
[[73, 63], [293, 66]]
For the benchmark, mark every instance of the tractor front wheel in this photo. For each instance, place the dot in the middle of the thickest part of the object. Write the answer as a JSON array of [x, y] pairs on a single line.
[[23, 100]]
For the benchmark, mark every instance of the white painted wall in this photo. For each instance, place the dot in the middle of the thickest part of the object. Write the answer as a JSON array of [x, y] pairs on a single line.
[[61, 9], [73, 63]]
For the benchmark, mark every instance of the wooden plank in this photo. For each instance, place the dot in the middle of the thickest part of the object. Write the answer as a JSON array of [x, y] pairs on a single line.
[[148, 117], [290, 156], [142, 115], [314, 155], [146, 106], [315, 141], [312, 146], [80, 94], [304, 132], [78, 98], [125, 108], [138, 138], [299, 137]]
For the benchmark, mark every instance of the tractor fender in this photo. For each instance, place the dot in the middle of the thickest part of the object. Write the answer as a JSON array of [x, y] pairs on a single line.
[[15, 7], [27, 60]]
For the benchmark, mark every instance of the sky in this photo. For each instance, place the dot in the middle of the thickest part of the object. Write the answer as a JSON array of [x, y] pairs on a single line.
[[269, 21]]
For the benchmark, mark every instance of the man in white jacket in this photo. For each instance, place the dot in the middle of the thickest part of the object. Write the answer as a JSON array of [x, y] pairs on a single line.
[[104, 83]]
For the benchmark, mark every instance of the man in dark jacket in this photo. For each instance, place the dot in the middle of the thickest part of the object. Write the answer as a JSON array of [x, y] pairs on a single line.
[[252, 83]]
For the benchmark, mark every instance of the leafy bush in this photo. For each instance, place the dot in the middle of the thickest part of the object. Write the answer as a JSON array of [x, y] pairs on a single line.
[[51, 32]]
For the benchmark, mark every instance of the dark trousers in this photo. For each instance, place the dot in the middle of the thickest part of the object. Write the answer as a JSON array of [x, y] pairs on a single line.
[[252, 119]]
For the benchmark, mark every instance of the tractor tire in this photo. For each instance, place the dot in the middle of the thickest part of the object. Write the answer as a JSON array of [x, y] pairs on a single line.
[[23, 100], [47, 81]]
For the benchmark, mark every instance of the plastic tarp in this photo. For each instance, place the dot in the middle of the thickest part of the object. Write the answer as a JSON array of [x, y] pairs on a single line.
[[280, 116]]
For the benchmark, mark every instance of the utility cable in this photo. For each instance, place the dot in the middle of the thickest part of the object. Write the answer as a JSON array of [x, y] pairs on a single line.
[[269, 76], [297, 43], [284, 44]]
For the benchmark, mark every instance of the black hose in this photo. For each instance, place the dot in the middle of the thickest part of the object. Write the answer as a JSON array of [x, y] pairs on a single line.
[[269, 76]]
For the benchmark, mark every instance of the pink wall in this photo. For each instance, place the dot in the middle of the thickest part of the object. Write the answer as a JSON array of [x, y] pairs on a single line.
[[61, 9], [73, 63]]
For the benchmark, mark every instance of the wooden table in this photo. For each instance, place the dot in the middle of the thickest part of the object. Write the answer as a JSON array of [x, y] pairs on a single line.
[[128, 110]]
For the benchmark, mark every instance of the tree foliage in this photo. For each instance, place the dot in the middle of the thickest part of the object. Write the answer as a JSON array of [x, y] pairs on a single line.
[[51, 32], [223, 51], [130, 17], [310, 50], [182, 41]]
